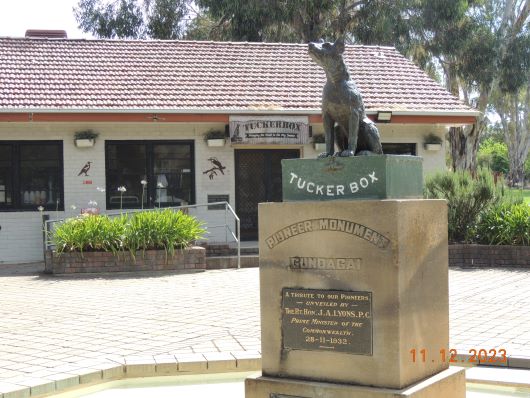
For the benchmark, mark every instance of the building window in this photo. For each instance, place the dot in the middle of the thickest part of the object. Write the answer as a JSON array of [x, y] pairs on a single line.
[[167, 166], [390, 148], [31, 175], [218, 198]]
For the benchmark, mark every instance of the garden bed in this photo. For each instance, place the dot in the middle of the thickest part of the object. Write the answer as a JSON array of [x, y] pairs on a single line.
[[486, 256], [99, 262]]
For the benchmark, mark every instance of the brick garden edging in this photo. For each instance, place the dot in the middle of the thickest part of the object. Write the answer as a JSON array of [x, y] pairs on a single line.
[[154, 260], [214, 250], [489, 256]]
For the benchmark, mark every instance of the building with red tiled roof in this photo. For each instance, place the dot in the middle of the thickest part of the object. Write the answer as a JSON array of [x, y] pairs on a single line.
[[40, 75], [151, 103]]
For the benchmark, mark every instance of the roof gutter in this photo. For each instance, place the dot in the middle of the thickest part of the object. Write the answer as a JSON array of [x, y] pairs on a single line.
[[289, 111], [428, 113]]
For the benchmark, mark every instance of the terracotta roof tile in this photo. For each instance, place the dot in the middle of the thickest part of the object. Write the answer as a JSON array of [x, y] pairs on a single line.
[[57, 74]]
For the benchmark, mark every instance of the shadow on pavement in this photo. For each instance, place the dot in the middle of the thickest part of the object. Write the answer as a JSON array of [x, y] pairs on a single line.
[[37, 269]]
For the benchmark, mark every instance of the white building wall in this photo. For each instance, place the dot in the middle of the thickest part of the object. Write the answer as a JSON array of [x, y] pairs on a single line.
[[219, 184], [415, 133], [20, 237], [21, 232]]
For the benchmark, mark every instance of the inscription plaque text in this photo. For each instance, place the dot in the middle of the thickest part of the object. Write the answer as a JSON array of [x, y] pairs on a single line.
[[329, 320]]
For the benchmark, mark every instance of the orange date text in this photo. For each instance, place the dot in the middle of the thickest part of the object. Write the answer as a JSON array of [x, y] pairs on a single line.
[[473, 355]]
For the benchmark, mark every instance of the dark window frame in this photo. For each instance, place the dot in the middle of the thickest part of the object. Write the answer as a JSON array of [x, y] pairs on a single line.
[[220, 197], [17, 204], [411, 146], [151, 189]]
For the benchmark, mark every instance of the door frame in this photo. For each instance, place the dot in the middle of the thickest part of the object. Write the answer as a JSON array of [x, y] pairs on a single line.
[[239, 149]]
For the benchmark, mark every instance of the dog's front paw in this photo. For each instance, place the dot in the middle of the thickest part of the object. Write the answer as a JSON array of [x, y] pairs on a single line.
[[323, 155], [364, 153], [346, 153]]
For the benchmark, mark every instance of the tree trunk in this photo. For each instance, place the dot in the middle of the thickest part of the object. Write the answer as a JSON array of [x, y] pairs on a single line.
[[464, 147], [515, 115], [464, 140]]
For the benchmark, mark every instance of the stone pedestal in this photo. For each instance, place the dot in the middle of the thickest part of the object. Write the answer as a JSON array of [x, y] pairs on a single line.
[[354, 300], [449, 383]]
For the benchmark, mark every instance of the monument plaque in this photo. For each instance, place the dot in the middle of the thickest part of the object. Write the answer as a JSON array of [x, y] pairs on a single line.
[[328, 320]]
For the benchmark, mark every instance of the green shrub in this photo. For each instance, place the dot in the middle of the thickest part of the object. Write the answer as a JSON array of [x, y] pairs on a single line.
[[505, 224], [166, 229], [89, 233], [467, 198], [494, 155]]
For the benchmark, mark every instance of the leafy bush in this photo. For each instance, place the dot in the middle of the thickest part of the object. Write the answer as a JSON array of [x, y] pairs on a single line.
[[164, 229], [167, 230], [467, 198], [505, 224], [89, 233], [494, 155]]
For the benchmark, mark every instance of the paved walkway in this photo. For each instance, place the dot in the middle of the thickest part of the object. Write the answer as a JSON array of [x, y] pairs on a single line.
[[51, 326]]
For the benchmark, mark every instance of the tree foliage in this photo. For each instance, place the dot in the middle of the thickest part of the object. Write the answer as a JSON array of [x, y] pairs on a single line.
[[514, 112], [243, 22], [165, 18], [133, 19], [236, 20], [494, 155], [483, 51], [280, 20], [515, 64], [120, 18]]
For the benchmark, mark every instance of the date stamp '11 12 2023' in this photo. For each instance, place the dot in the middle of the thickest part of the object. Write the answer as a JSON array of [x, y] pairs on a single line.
[[474, 355]]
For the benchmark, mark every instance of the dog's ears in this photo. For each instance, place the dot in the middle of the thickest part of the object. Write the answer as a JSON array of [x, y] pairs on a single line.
[[339, 45]]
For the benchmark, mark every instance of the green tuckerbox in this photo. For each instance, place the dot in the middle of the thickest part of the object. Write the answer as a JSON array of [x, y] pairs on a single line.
[[351, 178]]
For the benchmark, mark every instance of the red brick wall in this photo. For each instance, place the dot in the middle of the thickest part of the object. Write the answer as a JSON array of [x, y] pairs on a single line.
[[489, 256], [153, 260]]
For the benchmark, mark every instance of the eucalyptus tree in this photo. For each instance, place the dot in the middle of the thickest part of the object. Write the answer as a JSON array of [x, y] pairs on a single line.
[[479, 50], [511, 93], [497, 76], [298, 21], [133, 19], [237, 20]]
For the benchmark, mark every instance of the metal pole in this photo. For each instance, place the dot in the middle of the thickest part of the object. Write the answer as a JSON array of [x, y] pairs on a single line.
[[45, 217], [238, 246], [226, 223]]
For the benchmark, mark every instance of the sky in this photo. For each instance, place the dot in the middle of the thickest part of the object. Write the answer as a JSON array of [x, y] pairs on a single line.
[[16, 16]]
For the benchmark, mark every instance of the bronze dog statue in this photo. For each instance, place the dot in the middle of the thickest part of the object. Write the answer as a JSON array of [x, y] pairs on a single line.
[[342, 106]]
